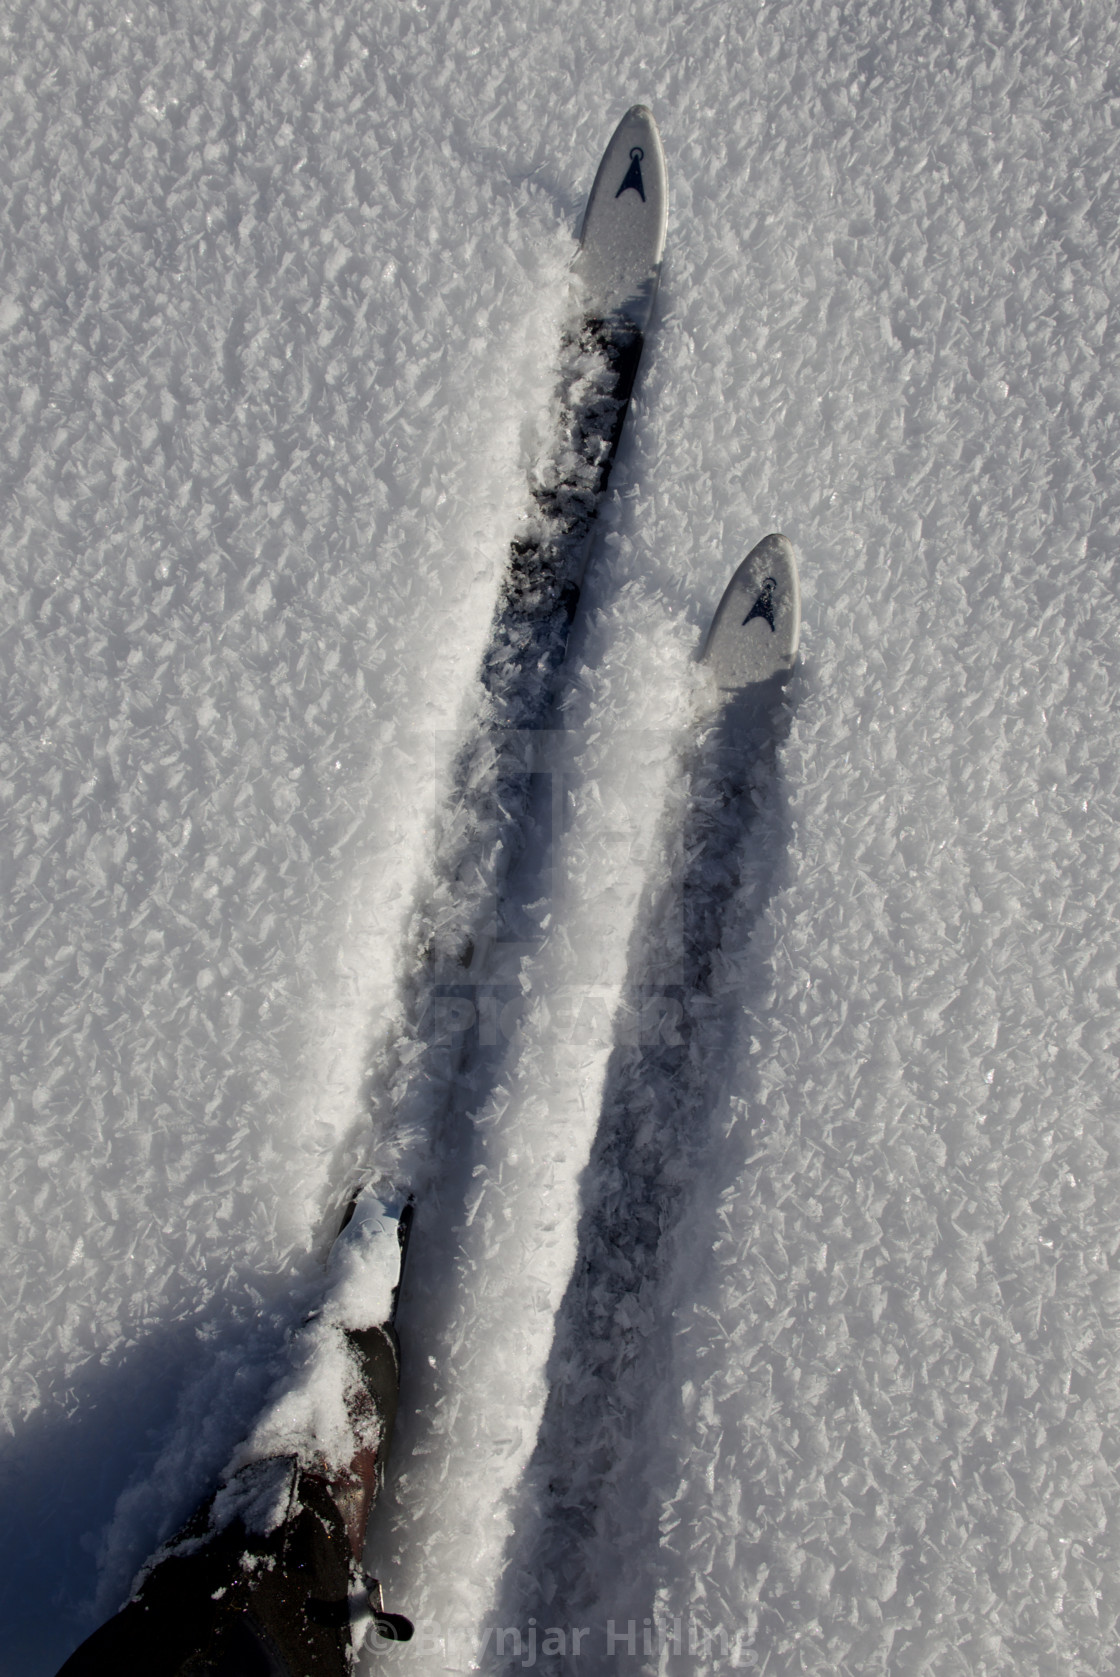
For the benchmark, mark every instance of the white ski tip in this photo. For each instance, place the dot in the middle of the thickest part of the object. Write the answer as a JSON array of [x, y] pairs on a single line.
[[623, 238], [757, 625]]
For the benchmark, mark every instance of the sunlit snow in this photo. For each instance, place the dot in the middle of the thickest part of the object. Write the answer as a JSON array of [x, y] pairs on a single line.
[[798, 1353]]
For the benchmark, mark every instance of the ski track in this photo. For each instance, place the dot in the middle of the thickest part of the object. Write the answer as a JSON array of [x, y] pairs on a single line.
[[280, 293]]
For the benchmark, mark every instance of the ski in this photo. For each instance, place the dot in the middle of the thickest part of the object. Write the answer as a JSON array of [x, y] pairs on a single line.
[[267, 1576], [742, 716], [751, 647], [615, 275], [615, 272], [749, 654], [658, 1104]]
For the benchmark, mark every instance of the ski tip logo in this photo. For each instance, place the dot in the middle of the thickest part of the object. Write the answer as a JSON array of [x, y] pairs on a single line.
[[633, 181], [764, 605]]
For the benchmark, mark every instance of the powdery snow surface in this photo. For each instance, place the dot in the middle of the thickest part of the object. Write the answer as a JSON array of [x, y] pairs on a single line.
[[820, 1376]]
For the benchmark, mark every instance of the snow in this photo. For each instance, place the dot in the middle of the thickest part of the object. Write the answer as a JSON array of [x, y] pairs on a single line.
[[280, 295]]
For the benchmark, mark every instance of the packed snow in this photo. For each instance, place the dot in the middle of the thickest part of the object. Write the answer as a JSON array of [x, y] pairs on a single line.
[[787, 1341]]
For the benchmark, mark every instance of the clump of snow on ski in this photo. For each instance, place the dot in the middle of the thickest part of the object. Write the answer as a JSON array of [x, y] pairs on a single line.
[[311, 1412]]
